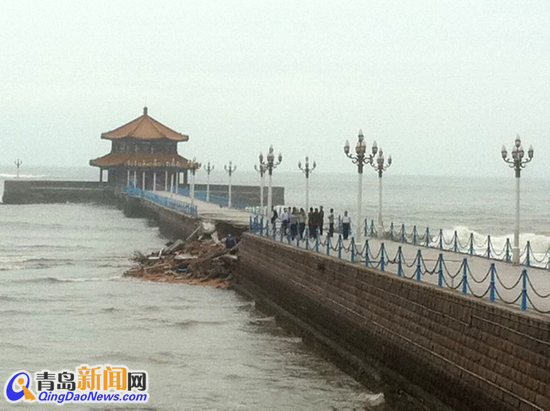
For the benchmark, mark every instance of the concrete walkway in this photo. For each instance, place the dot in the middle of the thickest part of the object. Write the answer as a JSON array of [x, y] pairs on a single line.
[[508, 283], [211, 211]]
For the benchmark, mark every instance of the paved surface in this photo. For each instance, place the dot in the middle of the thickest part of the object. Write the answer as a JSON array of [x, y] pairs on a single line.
[[478, 277], [211, 211]]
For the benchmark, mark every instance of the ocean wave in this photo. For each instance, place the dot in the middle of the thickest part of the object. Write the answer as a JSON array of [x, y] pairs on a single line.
[[161, 357], [539, 243], [53, 280], [110, 310], [150, 308], [11, 312], [181, 324], [192, 323], [9, 345], [262, 320], [14, 263]]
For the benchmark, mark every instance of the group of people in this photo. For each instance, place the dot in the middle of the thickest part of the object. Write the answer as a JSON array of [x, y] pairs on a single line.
[[294, 221]]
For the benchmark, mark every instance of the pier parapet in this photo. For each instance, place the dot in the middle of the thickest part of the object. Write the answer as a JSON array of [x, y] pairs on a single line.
[[471, 353]]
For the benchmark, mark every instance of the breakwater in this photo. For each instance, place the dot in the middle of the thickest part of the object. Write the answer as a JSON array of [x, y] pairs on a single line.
[[470, 353], [33, 192]]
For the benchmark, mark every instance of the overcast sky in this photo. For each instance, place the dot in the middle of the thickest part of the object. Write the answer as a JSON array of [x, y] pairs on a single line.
[[441, 85]]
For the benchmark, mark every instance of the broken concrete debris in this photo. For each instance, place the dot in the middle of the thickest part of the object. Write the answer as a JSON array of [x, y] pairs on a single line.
[[201, 261]]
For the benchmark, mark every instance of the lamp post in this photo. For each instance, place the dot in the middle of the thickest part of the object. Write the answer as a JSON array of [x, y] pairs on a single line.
[[261, 170], [380, 167], [270, 165], [307, 170], [18, 163], [208, 170], [517, 162], [230, 170], [360, 159], [194, 167]]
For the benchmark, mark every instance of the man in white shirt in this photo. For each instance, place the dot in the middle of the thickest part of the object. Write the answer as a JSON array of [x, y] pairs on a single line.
[[346, 224]]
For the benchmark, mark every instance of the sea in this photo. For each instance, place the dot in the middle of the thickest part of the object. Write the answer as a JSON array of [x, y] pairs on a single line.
[[64, 301]]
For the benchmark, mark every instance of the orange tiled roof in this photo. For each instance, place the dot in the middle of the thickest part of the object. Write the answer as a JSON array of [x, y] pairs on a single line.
[[144, 128], [141, 159]]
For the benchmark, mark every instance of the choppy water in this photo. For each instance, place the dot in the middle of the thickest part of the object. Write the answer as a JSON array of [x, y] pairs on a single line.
[[63, 303]]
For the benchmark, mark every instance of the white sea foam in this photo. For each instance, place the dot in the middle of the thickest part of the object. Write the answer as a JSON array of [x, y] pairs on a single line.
[[540, 244], [373, 400]]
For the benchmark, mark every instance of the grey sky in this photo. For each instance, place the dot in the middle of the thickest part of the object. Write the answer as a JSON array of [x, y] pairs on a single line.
[[441, 85]]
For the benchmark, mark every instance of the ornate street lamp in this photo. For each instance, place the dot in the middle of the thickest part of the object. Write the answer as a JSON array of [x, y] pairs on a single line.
[[208, 170], [230, 170], [194, 166], [261, 170], [307, 170], [270, 165], [18, 163], [380, 167], [517, 162], [361, 158]]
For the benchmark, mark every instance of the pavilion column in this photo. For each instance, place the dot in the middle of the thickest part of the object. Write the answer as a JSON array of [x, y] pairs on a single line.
[[177, 177], [135, 178], [143, 180], [185, 181], [128, 177], [100, 175], [166, 180], [171, 184], [154, 181]]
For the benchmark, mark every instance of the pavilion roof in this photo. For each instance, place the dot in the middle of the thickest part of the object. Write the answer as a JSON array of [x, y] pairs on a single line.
[[144, 128], [141, 159]]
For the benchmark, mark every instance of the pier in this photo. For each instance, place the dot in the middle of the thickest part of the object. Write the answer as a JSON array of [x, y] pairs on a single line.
[[463, 333]]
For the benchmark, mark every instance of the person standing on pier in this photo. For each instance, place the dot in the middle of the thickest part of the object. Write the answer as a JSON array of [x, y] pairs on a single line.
[[346, 224], [294, 217], [274, 217], [285, 220], [331, 223], [302, 222], [315, 223], [310, 221], [321, 220]]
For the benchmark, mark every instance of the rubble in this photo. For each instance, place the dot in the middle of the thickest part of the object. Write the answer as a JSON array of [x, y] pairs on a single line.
[[202, 261]]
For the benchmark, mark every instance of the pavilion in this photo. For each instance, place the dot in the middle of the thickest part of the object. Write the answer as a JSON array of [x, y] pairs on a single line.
[[144, 153]]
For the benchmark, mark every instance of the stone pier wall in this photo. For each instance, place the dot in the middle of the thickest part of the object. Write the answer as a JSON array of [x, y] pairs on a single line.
[[34, 192], [468, 352]]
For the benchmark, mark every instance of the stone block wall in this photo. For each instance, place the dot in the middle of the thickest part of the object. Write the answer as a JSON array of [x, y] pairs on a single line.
[[33, 192], [471, 353]]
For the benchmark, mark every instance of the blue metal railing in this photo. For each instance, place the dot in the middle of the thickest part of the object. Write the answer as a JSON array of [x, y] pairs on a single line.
[[472, 247], [462, 280], [180, 206], [216, 199]]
